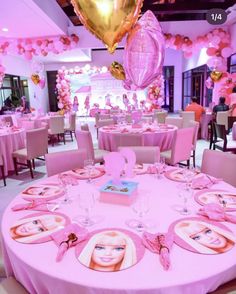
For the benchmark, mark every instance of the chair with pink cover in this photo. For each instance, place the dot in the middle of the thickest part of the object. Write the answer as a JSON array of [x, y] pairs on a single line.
[[128, 139], [11, 286], [103, 122], [220, 165], [222, 118], [58, 162], [181, 147], [195, 125], [2, 268], [227, 288], [2, 169], [84, 141], [72, 125], [176, 121], [223, 142], [84, 127], [56, 128], [145, 154], [36, 146]]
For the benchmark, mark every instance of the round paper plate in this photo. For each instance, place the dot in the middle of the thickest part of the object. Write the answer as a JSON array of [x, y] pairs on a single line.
[[82, 173], [177, 175], [37, 228], [202, 236], [47, 192], [226, 199], [110, 250]]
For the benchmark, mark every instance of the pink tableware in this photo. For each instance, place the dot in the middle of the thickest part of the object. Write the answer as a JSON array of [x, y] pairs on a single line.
[[216, 212], [202, 236], [47, 192], [225, 199], [37, 228], [110, 250], [83, 174]]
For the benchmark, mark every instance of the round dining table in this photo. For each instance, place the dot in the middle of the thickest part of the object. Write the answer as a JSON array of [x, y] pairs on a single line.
[[111, 137], [11, 140], [35, 266]]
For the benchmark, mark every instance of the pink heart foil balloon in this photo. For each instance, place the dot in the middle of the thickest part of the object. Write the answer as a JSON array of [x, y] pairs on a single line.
[[144, 52]]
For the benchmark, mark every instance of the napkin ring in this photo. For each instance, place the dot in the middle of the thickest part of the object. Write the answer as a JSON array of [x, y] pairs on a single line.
[[71, 239]]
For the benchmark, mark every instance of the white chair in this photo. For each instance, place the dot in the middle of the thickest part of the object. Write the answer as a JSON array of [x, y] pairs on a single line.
[[181, 147], [187, 117], [36, 146], [145, 154], [66, 160], [56, 128], [222, 118], [195, 125], [220, 165], [72, 125], [160, 116], [84, 141], [11, 286], [176, 121]]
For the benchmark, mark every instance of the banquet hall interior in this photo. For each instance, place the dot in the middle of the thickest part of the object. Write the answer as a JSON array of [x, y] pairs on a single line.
[[118, 144]]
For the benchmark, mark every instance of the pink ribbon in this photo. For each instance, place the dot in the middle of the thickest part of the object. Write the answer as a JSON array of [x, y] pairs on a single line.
[[68, 237], [160, 244], [216, 212]]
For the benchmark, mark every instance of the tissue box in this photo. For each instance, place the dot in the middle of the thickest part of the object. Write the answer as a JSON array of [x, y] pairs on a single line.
[[123, 194]]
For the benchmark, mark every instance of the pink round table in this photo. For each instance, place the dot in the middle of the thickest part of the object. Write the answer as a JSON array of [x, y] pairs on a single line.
[[108, 139], [9, 142], [35, 267]]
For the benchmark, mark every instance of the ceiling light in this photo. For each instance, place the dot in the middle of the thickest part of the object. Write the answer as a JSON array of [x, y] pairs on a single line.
[[5, 29]]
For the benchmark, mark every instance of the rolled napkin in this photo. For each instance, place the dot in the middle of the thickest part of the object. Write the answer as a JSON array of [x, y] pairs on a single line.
[[204, 181], [68, 237], [39, 204], [160, 244], [216, 212]]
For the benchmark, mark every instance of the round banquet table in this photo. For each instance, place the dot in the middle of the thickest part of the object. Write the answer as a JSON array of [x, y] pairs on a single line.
[[35, 267], [109, 138], [9, 142]]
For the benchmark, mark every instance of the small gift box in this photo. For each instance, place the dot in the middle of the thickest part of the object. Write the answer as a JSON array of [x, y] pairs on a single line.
[[123, 194]]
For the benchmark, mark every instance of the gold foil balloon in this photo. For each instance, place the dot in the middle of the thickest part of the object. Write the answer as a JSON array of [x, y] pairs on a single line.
[[117, 70], [35, 78], [216, 75], [108, 20]]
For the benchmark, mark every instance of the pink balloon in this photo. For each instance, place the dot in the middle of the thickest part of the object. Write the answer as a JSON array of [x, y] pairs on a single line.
[[42, 83], [144, 52], [226, 52], [211, 51]]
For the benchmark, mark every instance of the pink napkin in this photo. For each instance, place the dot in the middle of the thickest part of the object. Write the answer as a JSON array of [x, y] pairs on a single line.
[[204, 181], [124, 131], [68, 237], [151, 169], [39, 204], [160, 244], [217, 213]]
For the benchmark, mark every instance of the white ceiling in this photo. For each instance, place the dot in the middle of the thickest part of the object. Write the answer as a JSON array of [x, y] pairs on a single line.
[[35, 18]]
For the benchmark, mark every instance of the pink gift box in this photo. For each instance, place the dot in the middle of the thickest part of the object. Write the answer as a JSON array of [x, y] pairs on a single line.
[[123, 194]]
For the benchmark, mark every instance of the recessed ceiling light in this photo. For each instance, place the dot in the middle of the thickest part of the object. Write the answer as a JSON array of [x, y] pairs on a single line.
[[5, 29]]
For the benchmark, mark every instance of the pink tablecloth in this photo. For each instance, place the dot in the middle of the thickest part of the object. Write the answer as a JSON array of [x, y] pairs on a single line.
[[109, 140], [205, 119], [190, 273], [33, 123], [10, 142]]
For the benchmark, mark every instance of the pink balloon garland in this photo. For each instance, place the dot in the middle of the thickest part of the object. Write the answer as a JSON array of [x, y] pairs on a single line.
[[63, 90], [31, 47]]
